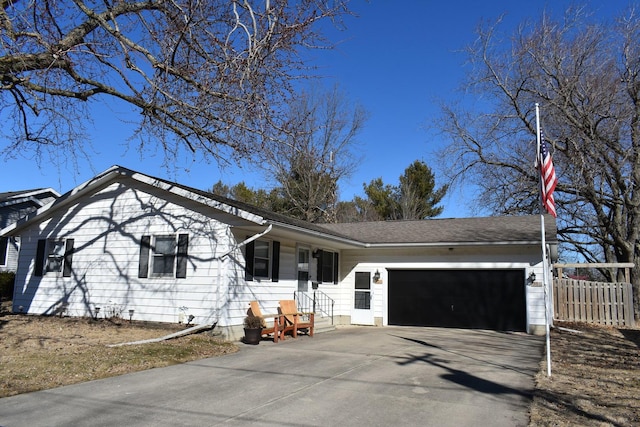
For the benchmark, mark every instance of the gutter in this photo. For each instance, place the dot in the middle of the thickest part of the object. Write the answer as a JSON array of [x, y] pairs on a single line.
[[451, 244], [320, 234]]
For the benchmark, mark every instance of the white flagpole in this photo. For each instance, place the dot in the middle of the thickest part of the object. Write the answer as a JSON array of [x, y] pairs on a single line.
[[545, 272]]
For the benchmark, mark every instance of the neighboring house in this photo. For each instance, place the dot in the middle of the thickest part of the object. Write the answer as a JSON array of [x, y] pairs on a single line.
[[127, 241], [13, 206]]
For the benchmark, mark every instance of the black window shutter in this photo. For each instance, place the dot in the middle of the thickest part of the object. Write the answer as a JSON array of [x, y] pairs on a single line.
[[42, 245], [275, 261], [248, 257], [145, 248], [335, 268], [4, 248], [319, 274], [68, 256], [183, 244]]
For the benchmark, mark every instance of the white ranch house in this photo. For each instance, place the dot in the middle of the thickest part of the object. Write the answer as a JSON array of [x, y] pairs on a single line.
[[128, 241]]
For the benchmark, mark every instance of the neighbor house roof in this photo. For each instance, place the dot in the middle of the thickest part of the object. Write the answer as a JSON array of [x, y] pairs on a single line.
[[14, 197], [431, 232]]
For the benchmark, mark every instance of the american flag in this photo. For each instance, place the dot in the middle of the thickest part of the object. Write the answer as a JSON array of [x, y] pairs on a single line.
[[549, 180]]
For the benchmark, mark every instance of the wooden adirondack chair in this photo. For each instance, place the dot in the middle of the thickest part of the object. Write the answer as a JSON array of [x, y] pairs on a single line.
[[294, 320], [278, 322]]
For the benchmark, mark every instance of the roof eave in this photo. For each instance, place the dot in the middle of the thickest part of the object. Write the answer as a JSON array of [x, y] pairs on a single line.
[[318, 234], [111, 174], [364, 245]]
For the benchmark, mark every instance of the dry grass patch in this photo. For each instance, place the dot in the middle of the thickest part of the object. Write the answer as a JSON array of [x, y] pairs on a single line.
[[595, 378], [38, 353]]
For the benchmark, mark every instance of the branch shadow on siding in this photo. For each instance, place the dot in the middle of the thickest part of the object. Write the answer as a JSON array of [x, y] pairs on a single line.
[[107, 227]]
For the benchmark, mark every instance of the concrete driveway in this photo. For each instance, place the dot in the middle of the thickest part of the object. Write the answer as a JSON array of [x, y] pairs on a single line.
[[354, 376]]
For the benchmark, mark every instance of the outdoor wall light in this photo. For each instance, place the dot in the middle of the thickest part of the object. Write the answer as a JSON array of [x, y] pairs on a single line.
[[130, 315], [97, 312], [532, 277], [376, 276]]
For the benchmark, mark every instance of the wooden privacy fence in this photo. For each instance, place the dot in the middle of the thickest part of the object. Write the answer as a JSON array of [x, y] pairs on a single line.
[[593, 302]]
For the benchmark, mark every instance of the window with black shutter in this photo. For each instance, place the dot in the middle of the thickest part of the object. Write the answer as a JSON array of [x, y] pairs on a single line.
[[262, 260], [54, 256], [163, 256]]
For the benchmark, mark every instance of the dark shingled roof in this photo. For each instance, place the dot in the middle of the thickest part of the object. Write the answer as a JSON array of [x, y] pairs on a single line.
[[505, 229], [429, 231], [268, 215], [452, 230]]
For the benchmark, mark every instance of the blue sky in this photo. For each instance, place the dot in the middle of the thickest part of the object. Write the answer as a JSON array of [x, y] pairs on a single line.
[[397, 59]]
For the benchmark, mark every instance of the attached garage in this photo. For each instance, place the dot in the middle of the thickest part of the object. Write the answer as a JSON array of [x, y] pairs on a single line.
[[481, 299]]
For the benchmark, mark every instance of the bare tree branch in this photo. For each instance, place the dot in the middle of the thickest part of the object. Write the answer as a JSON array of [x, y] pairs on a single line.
[[585, 76], [321, 129], [210, 75]]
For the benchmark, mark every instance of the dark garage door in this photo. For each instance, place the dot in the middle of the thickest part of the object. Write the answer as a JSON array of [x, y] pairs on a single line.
[[482, 299]]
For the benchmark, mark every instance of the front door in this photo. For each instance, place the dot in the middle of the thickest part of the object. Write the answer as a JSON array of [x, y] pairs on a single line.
[[362, 313], [303, 269]]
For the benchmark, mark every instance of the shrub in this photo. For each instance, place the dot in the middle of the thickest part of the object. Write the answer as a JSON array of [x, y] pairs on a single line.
[[253, 322], [7, 281]]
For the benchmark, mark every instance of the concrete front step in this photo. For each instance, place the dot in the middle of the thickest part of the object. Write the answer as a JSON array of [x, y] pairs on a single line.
[[322, 324]]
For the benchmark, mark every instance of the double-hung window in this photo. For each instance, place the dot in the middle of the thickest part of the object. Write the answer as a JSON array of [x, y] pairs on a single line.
[[327, 271], [261, 258], [55, 256], [164, 256]]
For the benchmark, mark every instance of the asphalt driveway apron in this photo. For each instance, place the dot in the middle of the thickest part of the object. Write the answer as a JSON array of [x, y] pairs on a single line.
[[354, 376]]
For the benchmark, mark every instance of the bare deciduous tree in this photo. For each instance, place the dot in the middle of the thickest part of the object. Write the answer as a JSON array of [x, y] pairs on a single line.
[[586, 77], [208, 75], [318, 152]]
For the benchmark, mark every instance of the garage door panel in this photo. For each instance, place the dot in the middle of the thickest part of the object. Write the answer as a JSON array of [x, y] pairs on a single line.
[[486, 299]]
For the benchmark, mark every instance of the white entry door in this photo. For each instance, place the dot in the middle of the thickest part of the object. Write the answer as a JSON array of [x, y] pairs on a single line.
[[362, 313]]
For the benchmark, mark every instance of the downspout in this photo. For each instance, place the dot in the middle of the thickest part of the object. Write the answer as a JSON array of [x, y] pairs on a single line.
[[221, 258], [248, 240]]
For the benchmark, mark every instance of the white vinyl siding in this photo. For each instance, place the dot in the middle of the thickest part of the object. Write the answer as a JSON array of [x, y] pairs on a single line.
[[497, 257], [107, 229]]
